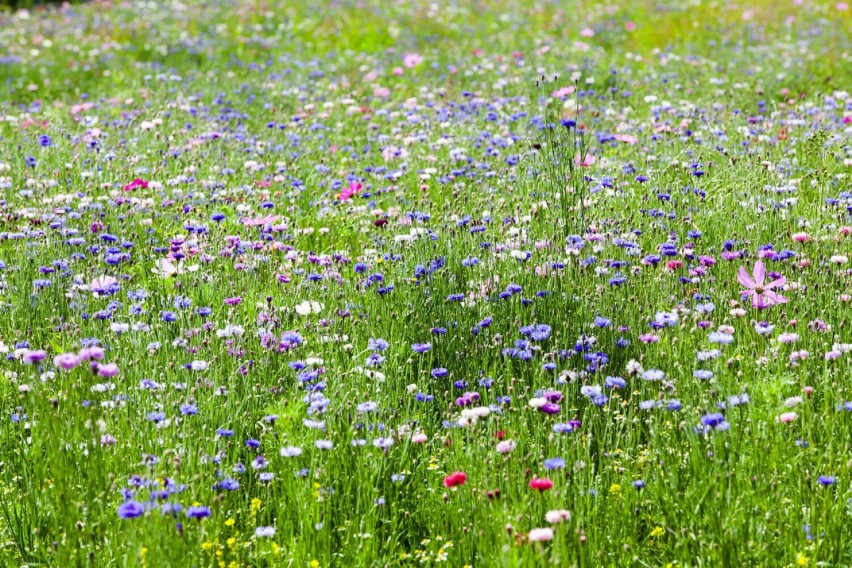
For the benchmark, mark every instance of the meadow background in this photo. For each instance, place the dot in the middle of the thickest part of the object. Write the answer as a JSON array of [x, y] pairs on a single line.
[[409, 283]]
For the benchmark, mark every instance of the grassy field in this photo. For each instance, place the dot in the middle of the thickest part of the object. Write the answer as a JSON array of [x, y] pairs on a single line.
[[398, 283]]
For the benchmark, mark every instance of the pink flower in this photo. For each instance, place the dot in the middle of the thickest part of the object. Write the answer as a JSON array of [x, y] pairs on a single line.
[[137, 183], [541, 484], [101, 284], [588, 161], [455, 479], [66, 361], [505, 446], [93, 353], [412, 60], [557, 516], [419, 438], [354, 188], [562, 92], [108, 370], [787, 417], [259, 221], [761, 293], [541, 535]]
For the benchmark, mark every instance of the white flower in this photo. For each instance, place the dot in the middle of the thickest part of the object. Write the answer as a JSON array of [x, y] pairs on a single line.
[[165, 268], [198, 365], [537, 402], [290, 452], [793, 401], [307, 308], [119, 328]]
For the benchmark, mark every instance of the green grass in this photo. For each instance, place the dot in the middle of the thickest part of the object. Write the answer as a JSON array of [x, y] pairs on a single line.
[[251, 109]]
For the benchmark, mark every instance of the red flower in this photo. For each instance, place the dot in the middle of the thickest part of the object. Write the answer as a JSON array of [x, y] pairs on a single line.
[[455, 479], [541, 484], [500, 434]]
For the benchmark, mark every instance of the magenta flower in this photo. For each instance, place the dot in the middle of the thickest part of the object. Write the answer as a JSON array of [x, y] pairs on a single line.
[[136, 183], [762, 294], [348, 192]]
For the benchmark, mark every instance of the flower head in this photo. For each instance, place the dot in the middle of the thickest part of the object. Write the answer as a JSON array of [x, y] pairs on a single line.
[[761, 292]]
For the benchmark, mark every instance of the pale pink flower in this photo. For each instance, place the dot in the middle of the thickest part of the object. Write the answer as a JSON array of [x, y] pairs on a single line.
[[101, 284], [589, 160], [557, 516], [412, 60], [787, 417], [541, 535], [562, 92], [626, 138], [505, 446], [762, 295]]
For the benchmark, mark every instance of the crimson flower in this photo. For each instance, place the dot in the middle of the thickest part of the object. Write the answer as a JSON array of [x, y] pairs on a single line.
[[541, 483], [455, 479]]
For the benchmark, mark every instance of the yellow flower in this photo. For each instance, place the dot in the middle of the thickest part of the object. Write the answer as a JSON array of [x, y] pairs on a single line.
[[231, 542], [230, 522], [275, 548], [143, 552], [801, 559], [315, 563], [657, 532], [255, 504], [615, 489], [207, 545]]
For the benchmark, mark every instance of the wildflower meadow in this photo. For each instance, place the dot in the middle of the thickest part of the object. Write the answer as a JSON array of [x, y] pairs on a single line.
[[410, 283]]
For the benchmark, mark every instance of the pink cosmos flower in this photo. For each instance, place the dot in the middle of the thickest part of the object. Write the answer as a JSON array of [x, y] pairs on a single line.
[[347, 193], [137, 183], [101, 284], [762, 295], [562, 92], [412, 60], [259, 221]]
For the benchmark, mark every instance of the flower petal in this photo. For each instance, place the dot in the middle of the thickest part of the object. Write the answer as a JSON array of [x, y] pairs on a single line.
[[759, 272], [744, 278], [778, 282], [773, 299]]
